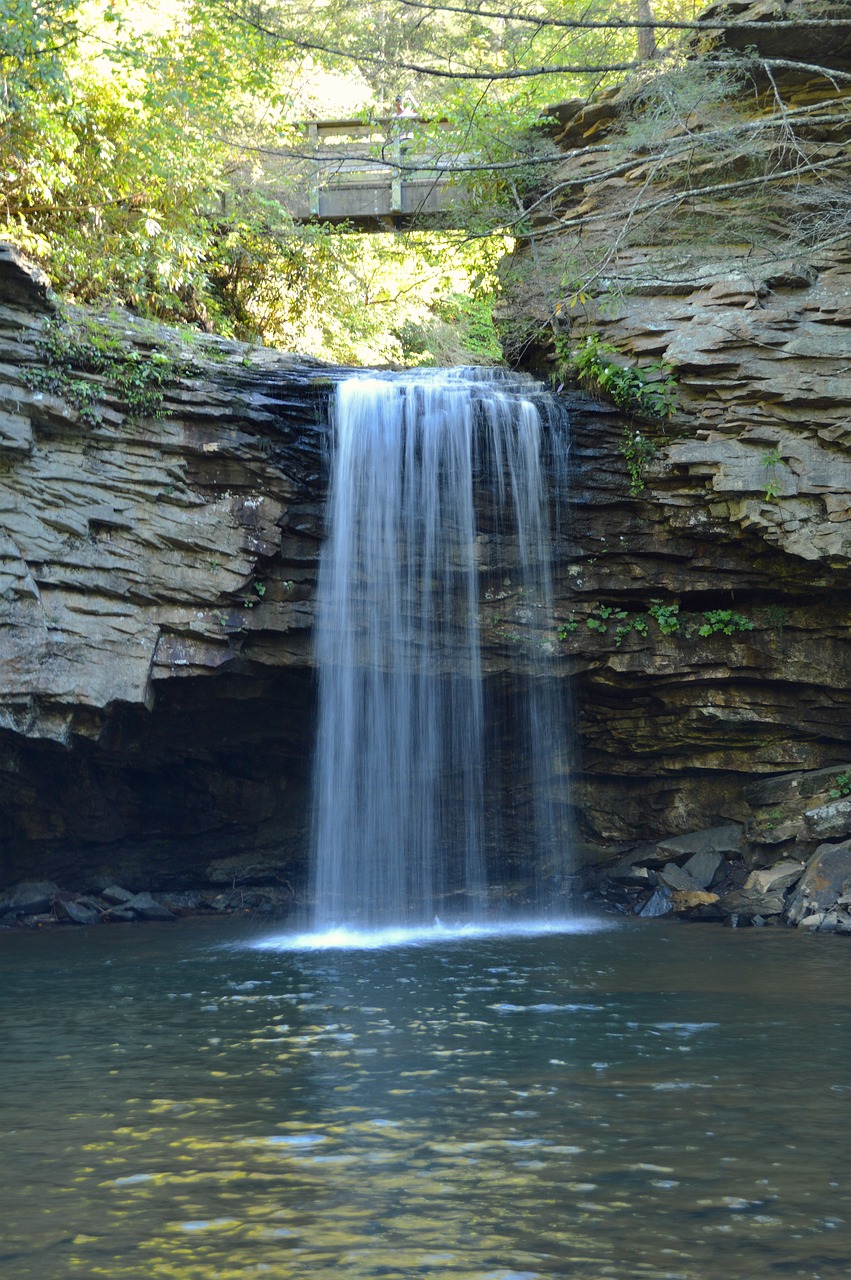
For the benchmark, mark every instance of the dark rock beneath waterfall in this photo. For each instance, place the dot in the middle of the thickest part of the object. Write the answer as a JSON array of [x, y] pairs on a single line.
[[113, 893], [28, 898], [725, 840], [659, 904], [631, 873], [747, 903], [146, 907], [80, 912], [826, 879]]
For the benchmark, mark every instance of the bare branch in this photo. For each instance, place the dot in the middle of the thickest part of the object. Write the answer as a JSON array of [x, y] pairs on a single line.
[[626, 24], [492, 75], [693, 193]]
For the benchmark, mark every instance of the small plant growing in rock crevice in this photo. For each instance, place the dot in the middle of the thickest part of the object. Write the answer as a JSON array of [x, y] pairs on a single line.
[[725, 621], [772, 486], [841, 785], [647, 393], [666, 615]]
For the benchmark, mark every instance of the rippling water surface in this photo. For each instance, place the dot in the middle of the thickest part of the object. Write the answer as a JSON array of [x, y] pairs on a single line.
[[651, 1100]]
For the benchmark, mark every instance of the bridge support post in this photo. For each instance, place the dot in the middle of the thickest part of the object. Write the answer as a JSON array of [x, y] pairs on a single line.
[[313, 143], [396, 178]]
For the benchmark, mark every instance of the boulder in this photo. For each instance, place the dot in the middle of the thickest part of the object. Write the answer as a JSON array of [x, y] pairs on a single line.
[[747, 903], [146, 907], [114, 893], [829, 821], [676, 878], [706, 868], [696, 903], [28, 898], [659, 904], [725, 840], [81, 912], [776, 879], [826, 878]]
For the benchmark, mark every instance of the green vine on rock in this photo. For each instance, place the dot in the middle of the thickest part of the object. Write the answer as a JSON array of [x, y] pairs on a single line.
[[87, 348], [647, 393]]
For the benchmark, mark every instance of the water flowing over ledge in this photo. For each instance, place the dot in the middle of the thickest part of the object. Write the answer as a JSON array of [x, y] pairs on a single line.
[[413, 748]]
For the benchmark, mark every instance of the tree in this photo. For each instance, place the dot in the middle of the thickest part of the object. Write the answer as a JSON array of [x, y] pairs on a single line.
[[118, 133]]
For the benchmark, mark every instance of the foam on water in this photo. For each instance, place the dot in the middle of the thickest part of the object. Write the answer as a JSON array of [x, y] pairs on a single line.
[[437, 933]]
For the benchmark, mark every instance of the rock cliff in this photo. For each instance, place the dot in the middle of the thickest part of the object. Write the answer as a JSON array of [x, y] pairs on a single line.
[[710, 612], [140, 555]]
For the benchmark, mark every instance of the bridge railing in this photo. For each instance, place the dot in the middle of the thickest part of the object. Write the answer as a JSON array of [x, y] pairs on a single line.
[[362, 172]]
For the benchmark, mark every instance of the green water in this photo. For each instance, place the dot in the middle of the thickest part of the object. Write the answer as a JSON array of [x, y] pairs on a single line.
[[652, 1100]]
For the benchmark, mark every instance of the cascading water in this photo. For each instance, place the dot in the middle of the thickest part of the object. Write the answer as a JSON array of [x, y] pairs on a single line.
[[430, 473]]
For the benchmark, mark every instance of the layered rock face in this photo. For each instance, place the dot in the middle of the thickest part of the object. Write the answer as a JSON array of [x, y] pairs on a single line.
[[139, 557], [709, 609]]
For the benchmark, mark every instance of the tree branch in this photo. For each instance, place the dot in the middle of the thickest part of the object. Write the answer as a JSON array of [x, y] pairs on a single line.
[[626, 24]]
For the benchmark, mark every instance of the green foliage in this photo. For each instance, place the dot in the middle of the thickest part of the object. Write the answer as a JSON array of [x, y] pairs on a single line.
[[841, 785], [637, 450], [648, 393], [133, 139], [771, 487], [776, 617], [88, 348], [725, 621], [666, 616], [628, 626]]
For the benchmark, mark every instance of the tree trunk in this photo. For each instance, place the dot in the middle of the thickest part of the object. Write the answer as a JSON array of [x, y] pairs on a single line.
[[646, 35]]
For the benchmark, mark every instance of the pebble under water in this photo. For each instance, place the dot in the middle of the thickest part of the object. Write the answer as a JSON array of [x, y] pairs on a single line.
[[645, 1100]]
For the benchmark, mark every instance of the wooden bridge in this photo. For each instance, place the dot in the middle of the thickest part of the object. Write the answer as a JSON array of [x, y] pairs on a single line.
[[374, 176]]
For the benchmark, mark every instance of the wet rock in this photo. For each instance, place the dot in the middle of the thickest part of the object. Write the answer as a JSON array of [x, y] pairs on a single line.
[[184, 902], [146, 907], [724, 841], [122, 913], [28, 898], [836, 922], [826, 878], [706, 868], [115, 894], [80, 912], [659, 904], [247, 869], [747, 903], [676, 878], [777, 879]]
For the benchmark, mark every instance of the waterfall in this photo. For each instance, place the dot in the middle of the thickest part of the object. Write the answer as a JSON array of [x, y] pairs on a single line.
[[418, 742]]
